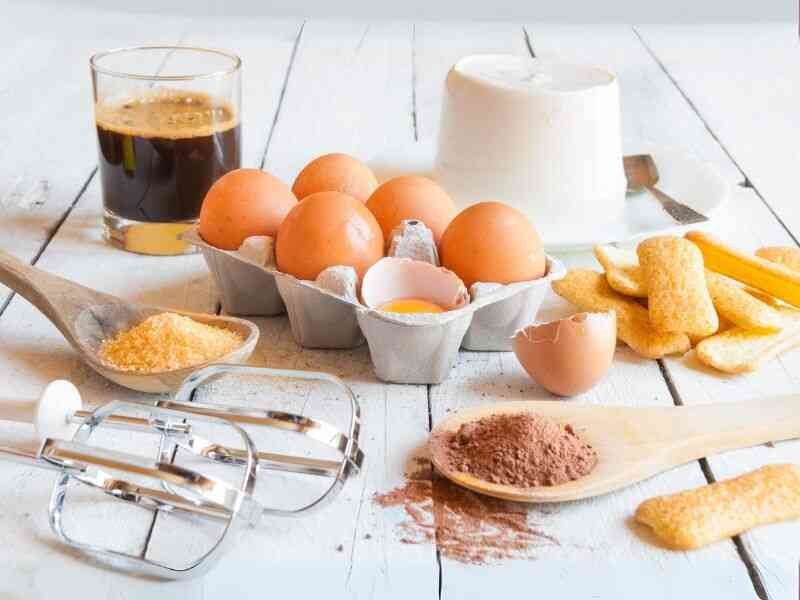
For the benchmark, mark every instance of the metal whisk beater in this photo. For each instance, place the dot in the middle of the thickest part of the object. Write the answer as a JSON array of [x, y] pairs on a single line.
[[159, 485]]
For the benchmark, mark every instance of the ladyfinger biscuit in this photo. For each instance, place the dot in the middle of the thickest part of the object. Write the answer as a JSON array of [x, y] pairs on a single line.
[[589, 290], [714, 512], [775, 279], [740, 350], [788, 256], [766, 298], [742, 309], [678, 298], [623, 272]]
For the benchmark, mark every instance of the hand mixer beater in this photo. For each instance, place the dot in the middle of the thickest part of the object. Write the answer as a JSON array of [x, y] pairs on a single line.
[[217, 486]]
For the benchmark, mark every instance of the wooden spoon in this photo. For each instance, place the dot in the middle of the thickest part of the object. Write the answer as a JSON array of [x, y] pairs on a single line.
[[633, 444], [87, 317]]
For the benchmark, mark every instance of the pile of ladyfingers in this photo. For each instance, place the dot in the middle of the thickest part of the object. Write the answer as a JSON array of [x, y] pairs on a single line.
[[673, 293]]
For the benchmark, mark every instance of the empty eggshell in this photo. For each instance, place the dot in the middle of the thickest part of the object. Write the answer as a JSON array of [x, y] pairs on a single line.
[[395, 278], [568, 356]]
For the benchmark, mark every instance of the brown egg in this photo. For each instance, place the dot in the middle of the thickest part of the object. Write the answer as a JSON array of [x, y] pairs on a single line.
[[568, 356], [324, 230], [412, 197], [243, 203], [335, 173], [492, 242]]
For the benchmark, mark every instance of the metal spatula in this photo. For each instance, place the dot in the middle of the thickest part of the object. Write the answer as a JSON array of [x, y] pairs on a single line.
[[641, 173]]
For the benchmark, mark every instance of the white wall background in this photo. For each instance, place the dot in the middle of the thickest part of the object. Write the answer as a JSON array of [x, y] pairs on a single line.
[[580, 11]]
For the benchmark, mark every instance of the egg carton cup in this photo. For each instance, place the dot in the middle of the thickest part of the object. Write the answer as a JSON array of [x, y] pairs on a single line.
[[502, 310], [404, 348], [246, 288], [318, 317]]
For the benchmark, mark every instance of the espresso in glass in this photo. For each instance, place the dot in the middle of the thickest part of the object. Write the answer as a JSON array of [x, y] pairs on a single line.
[[163, 140], [160, 153]]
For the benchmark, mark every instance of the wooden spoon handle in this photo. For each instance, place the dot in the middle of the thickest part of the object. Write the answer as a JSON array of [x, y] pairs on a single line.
[[60, 300], [708, 429]]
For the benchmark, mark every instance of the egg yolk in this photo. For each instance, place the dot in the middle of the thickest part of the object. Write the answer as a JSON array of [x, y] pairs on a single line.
[[410, 305]]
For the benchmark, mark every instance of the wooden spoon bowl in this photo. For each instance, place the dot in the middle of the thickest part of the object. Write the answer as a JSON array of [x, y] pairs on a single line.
[[86, 317], [634, 443]]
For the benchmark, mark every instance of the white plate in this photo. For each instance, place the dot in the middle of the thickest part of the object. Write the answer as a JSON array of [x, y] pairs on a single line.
[[688, 180]]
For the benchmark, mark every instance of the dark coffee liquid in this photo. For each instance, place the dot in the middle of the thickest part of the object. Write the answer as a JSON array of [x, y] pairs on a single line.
[[160, 153]]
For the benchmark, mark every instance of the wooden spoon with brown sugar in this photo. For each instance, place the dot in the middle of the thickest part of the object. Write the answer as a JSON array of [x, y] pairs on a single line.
[[87, 317]]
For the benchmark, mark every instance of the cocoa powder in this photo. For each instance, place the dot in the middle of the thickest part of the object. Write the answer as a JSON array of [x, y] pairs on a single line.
[[465, 526], [522, 450]]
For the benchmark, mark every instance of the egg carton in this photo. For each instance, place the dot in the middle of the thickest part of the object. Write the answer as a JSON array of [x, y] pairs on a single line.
[[327, 313]]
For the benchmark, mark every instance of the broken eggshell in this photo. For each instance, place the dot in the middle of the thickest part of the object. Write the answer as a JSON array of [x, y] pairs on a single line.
[[568, 356], [397, 278], [419, 347]]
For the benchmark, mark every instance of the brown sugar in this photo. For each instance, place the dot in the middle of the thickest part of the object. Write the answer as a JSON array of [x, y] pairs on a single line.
[[522, 450], [167, 341]]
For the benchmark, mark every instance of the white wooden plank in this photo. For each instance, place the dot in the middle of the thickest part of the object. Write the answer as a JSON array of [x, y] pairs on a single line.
[[47, 137], [754, 143], [32, 351], [596, 537], [773, 549], [47, 91], [265, 47], [744, 80], [349, 91], [655, 110]]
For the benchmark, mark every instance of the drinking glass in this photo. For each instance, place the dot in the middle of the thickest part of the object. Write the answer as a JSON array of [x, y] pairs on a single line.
[[168, 126]]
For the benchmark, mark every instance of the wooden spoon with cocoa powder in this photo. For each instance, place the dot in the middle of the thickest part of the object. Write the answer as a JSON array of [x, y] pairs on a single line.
[[87, 317], [632, 443]]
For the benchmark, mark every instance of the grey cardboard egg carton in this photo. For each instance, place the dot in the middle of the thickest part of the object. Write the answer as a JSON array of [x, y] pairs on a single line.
[[327, 313]]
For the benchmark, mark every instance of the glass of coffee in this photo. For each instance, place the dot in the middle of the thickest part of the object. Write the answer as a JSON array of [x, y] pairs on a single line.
[[168, 126]]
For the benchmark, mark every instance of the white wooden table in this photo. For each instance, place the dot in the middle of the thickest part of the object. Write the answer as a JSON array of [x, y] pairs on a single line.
[[729, 94]]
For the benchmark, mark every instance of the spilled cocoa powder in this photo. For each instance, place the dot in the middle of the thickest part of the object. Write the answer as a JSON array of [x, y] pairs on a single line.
[[521, 450], [465, 526]]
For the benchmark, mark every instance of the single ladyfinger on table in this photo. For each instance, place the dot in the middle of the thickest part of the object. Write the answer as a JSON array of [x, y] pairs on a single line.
[[714, 512], [678, 297]]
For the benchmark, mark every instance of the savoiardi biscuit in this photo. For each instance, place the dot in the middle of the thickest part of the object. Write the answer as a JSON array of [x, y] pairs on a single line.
[[768, 276], [590, 291], [678, 298], [714, 512], [739, 350], [788, 256], [739, 307], [623, 272]]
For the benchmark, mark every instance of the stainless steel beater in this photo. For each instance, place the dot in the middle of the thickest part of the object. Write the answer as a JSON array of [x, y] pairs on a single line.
[[158, 484]]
